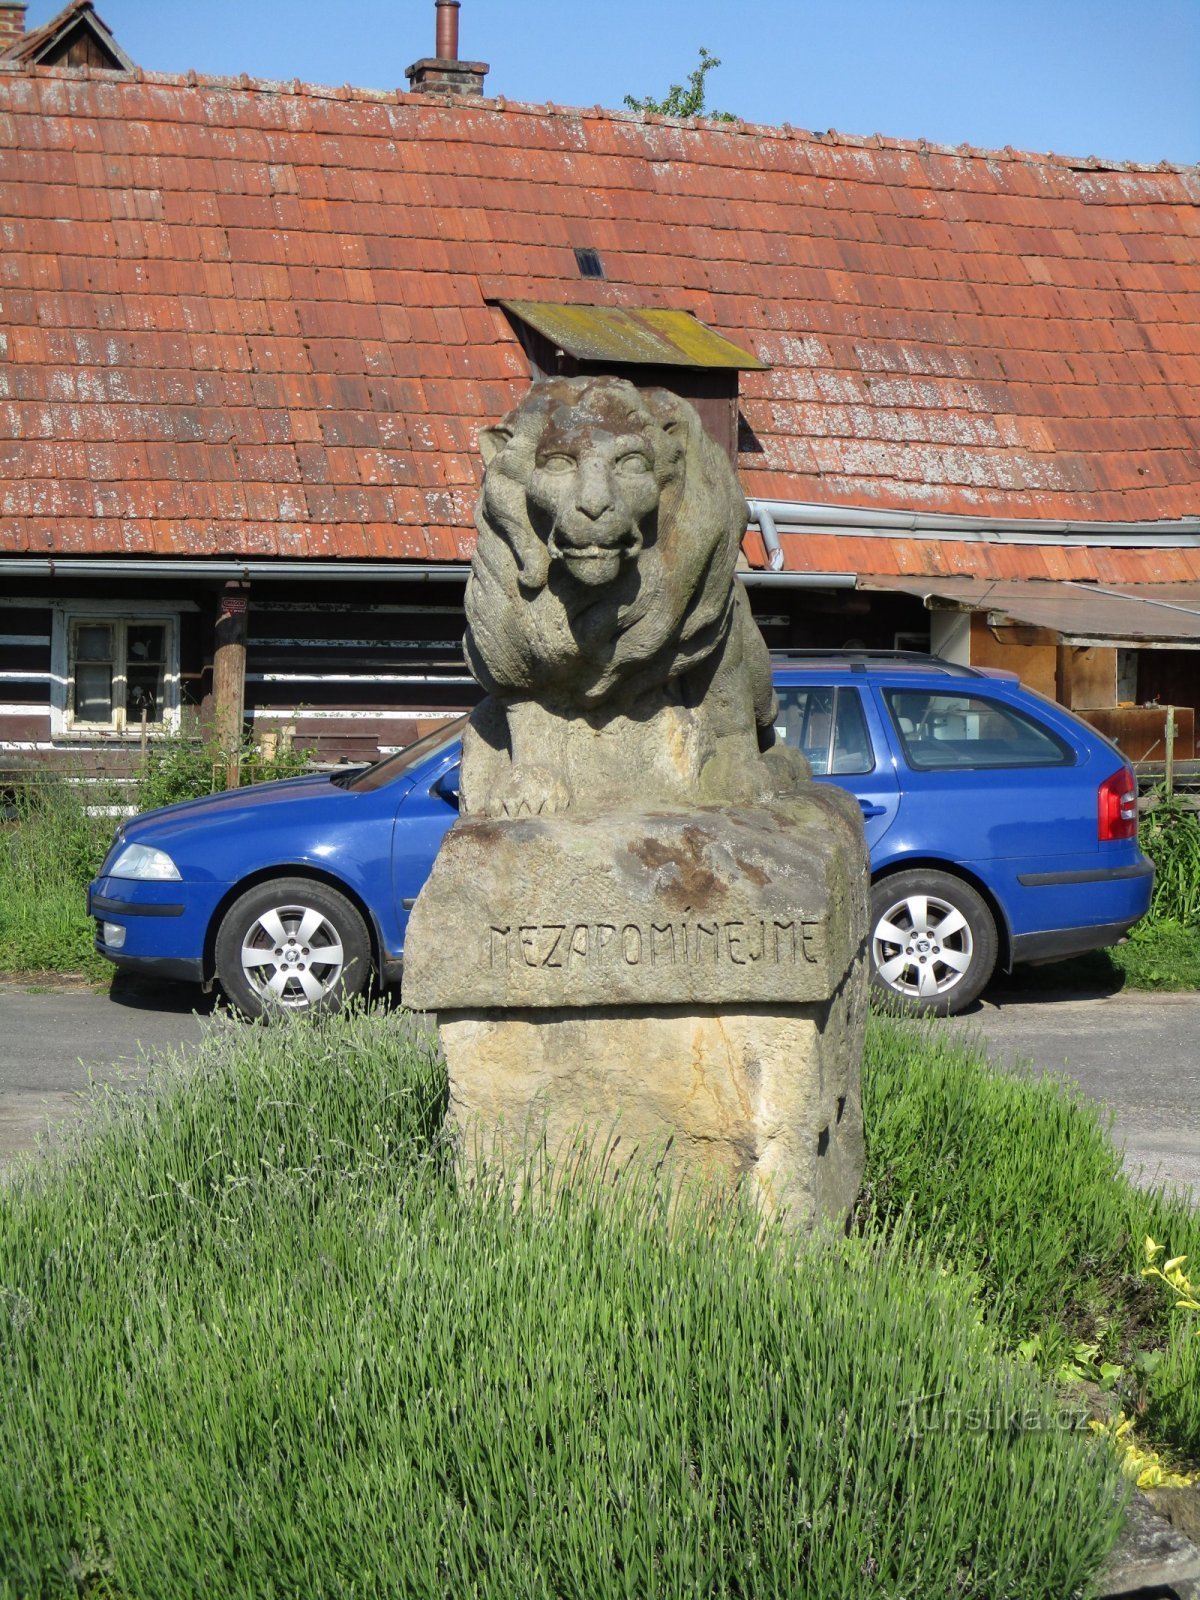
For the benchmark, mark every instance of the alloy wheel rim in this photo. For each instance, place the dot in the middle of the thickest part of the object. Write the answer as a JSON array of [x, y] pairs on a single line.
[[292, 956], [922, 946]]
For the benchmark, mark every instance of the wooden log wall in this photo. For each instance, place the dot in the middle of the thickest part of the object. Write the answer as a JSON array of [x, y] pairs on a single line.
[[355, 676]]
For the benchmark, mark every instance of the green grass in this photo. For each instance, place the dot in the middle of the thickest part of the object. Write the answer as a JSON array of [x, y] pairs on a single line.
[[1017, 1181], [259, 1344], [54, 846], [1160, 955], [48, 855]]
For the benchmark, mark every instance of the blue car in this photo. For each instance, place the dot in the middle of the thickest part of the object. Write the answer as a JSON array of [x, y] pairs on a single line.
[[1001, 829]]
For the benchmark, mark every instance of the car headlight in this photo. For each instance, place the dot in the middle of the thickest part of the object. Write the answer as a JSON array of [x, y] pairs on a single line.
[[143, 861]]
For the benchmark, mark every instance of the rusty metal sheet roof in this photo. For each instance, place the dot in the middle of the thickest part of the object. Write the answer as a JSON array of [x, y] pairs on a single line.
[[1168, 613], [643, 338]]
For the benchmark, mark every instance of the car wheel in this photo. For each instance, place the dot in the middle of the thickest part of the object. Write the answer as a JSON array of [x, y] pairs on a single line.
[[933, 940], [292, 943]]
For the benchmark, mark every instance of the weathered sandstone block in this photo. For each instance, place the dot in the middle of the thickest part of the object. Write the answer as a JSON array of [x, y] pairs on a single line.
[[691, 979], [713, 906]]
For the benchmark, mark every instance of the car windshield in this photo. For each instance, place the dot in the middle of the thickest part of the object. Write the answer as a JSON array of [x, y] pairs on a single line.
[[395, 766]]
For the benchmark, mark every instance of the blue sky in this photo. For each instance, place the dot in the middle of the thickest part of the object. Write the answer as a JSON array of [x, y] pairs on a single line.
[[1114, 78]]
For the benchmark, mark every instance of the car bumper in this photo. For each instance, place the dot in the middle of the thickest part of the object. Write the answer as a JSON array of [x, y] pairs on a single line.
[[180, 969], [155, 928], [1060, 942]]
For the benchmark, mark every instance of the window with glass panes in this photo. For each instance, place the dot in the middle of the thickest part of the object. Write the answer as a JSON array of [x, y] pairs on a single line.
[[118, 672]]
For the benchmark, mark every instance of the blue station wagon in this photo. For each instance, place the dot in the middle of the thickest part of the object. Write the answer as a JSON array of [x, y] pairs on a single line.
[[1001, 829]]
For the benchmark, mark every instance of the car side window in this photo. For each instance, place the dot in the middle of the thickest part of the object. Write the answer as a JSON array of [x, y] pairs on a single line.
[[941, 731], [828, 725]]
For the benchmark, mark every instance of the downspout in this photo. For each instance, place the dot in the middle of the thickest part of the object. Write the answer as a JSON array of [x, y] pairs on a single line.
[[766, 526]]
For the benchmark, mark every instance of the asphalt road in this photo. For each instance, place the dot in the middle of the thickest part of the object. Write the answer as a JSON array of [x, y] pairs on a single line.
[[54, 1041], [1138, 1053]]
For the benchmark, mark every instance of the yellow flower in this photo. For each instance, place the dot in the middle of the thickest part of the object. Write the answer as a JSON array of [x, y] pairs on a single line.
[[1137, 1461]]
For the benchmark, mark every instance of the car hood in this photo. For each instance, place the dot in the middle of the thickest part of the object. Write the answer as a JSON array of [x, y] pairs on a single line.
[[230, 804]]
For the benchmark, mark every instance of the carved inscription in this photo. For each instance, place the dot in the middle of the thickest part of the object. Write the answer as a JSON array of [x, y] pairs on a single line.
[[572, 946]]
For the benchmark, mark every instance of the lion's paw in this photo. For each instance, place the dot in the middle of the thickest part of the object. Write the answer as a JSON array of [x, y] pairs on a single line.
[[789, 768]]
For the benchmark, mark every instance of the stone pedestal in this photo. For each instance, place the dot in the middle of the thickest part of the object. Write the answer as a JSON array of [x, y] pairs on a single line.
[[682, 979]]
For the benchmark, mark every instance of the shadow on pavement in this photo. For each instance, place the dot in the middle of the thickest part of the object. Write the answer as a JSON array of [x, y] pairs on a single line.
[[1089, 977], [140, 993]]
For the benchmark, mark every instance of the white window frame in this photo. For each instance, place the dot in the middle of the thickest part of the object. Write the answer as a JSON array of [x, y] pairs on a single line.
[[66, 613]]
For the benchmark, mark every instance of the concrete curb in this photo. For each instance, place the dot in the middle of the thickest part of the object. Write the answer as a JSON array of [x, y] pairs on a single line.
[[1151, 1557]]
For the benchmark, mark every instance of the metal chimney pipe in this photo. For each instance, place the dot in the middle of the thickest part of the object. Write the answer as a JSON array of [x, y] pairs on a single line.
[[447, 30]]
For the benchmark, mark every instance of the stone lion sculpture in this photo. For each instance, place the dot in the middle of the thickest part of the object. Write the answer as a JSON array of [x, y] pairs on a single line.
[[621, 661]]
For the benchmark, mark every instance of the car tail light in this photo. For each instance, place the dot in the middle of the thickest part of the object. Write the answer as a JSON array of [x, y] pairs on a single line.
[[1118, 806]]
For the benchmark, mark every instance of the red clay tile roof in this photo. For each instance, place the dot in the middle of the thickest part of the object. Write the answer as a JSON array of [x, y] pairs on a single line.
[[242, 318]]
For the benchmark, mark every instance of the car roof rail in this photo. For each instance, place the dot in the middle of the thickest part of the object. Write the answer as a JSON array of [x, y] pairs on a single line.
[[860, 660]]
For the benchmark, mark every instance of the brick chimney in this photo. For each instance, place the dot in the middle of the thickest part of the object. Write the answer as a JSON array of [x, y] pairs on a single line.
[[444, 73], [12, 23]]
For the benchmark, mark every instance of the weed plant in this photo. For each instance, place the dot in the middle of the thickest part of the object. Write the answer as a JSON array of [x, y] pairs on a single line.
[[180, 768], [1170, 835], [1017, 1180], [1172, 1398], [257, 1342]]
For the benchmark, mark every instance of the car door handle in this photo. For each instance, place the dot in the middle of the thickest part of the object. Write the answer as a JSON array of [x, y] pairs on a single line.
[[869, 810]]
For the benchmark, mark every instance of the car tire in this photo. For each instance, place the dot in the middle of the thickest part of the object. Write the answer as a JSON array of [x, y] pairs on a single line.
[[292, 944], [933, 941]]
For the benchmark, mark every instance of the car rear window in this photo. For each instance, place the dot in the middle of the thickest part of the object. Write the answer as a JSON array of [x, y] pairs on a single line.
[[941, 731], [828, 725]]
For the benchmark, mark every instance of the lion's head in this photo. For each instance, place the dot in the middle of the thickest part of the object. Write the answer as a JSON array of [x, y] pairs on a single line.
[[609, 527]]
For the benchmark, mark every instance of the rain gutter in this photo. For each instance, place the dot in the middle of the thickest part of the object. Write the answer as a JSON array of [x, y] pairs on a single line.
[[758, 578], [233, 571], [797, 516]]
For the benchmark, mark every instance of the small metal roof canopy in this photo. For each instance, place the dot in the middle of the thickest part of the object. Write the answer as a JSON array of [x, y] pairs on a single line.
[[653, 349], [1135, 615], [615, 336]]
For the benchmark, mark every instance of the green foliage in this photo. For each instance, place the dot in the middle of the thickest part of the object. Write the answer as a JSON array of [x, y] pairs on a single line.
[[187, 769], [272, 1348], [683, 100], [49, 850], [60, 831], [1017, 1181], [1169, 833]]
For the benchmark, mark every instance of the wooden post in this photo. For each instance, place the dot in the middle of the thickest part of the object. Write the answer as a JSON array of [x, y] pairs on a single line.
[[1169, 764], [229, 677]]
